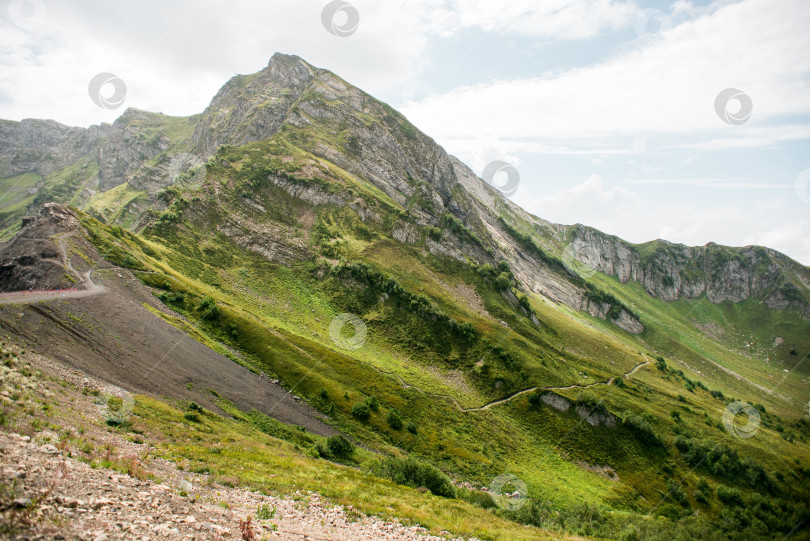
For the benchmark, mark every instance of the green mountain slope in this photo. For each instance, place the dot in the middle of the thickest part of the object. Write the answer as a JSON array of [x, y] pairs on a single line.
[[340, 250]]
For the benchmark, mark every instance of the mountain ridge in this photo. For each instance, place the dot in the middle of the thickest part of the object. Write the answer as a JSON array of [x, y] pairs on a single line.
[[327, 246], [142, 153]]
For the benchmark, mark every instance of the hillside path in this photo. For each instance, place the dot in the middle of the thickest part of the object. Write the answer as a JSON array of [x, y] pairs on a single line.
[[90, 287], [518, 393]]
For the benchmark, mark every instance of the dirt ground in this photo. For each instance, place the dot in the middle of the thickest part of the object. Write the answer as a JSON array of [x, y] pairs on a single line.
[[110, 334], [48, 490]]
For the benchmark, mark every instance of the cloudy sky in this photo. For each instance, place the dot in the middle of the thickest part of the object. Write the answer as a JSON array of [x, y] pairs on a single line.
[[608, 109]]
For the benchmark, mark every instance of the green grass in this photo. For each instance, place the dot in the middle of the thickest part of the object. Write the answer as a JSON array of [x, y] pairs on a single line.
[[278, 315], [240, 451]]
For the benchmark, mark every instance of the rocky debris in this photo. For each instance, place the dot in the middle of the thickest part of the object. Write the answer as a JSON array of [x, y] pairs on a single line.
[[32, 260], [71, 499], [50, 489]]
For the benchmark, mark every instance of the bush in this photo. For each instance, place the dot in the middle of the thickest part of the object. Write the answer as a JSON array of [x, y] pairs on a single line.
[[589, 400], [642, 429], [372, 403], [524, 303], [476, 497], [192, 416], [339, 446], [676, 492], [412, 428], [361, 412], [209, 309], [503, 281], [412, 473], [393, 419], [724, 462], [265, 512], [729, 496]]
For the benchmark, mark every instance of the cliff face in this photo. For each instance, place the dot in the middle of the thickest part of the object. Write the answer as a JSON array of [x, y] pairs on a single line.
[[128, 162], [669, 271]]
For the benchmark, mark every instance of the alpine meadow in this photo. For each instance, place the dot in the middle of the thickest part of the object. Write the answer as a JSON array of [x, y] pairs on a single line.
[[295, 315]]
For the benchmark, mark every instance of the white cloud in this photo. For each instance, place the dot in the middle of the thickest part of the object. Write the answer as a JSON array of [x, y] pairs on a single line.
[[589, 202], [619, 211], [550, 19], [667, 87], [175, 56]]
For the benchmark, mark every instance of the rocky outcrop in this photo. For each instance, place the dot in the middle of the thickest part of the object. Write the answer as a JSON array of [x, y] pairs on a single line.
[[592, 416], [670, 271], [32, 260]]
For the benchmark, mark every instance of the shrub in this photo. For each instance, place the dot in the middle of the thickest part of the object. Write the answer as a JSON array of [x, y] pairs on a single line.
[[209, 309], [589, 400], [412, 428], [393, 419], [372, 403], [339, 446], [265, 512], [476, 497], [724, 462], [676, 492], [524, 303], [361, 412], [412, 473], [503, 281], [192, 416], [729, 496], [642, 429]]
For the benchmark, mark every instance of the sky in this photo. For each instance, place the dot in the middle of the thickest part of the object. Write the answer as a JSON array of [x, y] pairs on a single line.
[[682, 120]]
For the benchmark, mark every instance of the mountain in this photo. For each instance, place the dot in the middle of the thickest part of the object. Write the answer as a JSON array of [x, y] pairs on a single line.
[[312, 235]]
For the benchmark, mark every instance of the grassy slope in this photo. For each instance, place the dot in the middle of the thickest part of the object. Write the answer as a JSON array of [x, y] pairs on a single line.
[[279, 316]]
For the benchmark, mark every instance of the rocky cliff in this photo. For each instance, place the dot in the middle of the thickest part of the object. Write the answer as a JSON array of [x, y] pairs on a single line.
[[669, 271]]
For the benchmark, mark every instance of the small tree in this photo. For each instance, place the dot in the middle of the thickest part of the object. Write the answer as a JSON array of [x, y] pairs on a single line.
[[503, 281]]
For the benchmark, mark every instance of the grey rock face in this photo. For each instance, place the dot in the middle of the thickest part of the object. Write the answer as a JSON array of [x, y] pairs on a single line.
[[671, 271]]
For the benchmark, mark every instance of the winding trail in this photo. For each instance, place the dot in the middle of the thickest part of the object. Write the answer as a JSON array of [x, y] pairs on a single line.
[[489, 405], [90, 287], [563, 388]]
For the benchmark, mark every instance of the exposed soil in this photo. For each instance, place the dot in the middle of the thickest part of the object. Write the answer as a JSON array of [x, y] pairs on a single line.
[[55, 484], [105, 330]]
